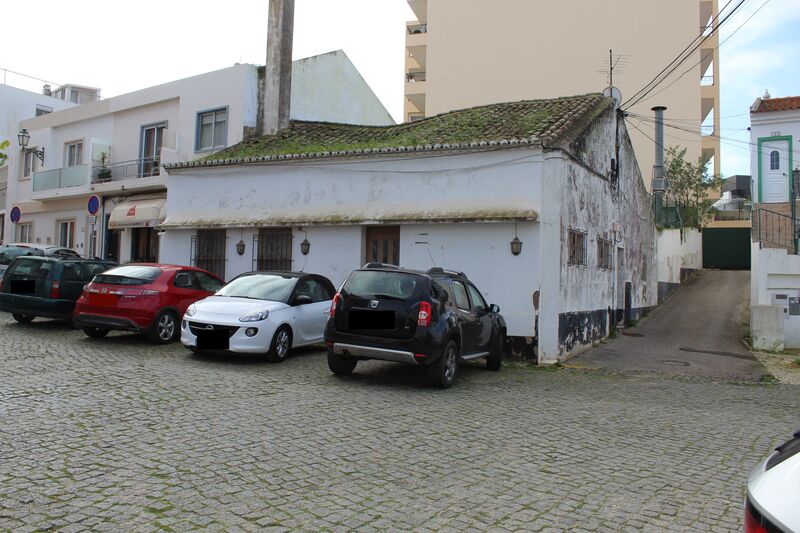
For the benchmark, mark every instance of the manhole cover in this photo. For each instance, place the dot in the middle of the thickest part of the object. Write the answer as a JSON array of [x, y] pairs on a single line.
[[633, 334], [672, 362]]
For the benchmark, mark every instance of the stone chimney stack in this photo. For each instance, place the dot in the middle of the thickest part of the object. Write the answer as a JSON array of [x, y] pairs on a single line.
[[278, 77]]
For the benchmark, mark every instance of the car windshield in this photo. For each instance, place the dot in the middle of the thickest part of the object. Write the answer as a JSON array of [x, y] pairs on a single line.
[[129, 275], [379, 284], [260, 287], [9, 253]]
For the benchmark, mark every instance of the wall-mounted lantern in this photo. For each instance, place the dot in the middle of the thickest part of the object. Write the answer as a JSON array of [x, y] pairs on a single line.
[[23, 138], [240, 247], [305, 246], [516, 244]]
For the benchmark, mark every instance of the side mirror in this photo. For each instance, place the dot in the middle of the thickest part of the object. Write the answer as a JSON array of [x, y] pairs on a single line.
[[302, 299], [494, 308]]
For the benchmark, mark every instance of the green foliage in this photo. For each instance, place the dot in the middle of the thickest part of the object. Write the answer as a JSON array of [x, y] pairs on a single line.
[[688, 186], [3, 156]]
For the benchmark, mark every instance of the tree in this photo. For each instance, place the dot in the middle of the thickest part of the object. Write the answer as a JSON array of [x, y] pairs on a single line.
[[687, 187], [3, 156]]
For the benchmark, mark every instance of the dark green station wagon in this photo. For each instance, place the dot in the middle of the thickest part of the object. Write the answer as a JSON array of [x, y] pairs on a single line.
[[46, 286]]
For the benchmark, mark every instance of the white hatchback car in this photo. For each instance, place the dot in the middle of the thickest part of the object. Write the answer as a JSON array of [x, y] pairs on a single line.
[[260, 313], [773, 490]]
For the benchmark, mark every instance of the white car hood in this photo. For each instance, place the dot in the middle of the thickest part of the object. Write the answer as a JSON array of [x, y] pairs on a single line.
[[226, 308]]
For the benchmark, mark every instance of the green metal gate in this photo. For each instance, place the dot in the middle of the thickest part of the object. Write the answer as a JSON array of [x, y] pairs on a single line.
[[726, 248]]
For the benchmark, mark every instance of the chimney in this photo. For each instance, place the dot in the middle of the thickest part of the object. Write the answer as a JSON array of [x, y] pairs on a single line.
[[278, 82], [46, 90], [658, 168]]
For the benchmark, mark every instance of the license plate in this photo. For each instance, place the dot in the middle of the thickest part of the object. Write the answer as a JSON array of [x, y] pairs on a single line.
[[365, 319]]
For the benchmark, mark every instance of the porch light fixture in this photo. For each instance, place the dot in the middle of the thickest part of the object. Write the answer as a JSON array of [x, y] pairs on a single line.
[[240, 247], [305, 246], [23, 138], [516, 244]]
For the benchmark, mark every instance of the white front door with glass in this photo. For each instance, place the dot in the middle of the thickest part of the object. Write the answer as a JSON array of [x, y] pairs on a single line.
[[774, 171], [152, 141]]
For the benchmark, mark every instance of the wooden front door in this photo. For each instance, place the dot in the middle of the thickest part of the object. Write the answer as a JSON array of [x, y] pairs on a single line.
[[383, 245]]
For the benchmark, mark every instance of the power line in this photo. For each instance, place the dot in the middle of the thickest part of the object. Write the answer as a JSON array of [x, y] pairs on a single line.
[[30, 77], [682, 57]]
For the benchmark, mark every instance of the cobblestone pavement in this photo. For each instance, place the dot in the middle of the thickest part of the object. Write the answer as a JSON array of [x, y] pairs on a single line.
[[117, 435]]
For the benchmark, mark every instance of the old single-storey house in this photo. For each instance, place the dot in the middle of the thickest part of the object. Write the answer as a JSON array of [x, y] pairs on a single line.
[[540, 202]]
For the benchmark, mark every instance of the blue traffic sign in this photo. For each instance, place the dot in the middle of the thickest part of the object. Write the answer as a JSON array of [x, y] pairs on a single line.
[[94, 205], [15, 214]]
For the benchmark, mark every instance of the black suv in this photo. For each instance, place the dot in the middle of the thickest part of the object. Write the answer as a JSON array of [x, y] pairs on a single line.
[[46, 286], [434, 319]]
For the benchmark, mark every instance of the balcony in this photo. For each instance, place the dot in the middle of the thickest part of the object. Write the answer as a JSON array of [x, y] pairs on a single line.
[[416, 77], [139, 174], [414, 29], [60, 182]]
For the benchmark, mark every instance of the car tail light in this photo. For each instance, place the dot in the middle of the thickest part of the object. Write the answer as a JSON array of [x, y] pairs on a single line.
[[424, 316], [334, 303], [91, 289], [55, 290], [752, 520]]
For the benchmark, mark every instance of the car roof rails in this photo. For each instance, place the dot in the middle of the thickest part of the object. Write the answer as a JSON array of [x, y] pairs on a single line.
[[442, 271], [380, 265]]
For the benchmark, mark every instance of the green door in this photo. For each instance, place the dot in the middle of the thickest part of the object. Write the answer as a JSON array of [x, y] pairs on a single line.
[[726, 248]]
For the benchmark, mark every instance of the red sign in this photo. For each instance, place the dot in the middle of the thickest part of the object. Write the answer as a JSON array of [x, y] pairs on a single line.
[[132, 211]]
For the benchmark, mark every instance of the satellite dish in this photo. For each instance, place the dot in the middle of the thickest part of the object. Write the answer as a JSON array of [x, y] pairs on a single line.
[[615, 94]]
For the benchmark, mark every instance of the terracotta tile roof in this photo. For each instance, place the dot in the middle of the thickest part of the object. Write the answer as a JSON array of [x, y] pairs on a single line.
[[529, 122], [776, 104]]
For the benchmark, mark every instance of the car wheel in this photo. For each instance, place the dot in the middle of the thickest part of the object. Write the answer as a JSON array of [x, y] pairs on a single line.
[[280, 346], [22, 319], [495, 359], [165, 328], [442, 373], [95, 333], [341, 365]]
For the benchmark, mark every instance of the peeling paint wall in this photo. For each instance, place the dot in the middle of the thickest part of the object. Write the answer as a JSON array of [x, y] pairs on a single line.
[[680, 253], [591, 296]]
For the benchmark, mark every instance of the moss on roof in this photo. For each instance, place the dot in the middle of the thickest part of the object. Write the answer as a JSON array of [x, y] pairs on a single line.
[[545, 121]]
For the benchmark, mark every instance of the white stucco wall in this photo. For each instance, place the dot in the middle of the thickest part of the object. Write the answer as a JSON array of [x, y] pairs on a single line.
[[768, 125], [677, 249], [774, 273]]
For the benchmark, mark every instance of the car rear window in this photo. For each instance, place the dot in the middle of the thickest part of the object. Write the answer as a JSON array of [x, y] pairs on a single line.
[[31, 268], [8, 254], [369, 284], [129, 275], [785, 451]]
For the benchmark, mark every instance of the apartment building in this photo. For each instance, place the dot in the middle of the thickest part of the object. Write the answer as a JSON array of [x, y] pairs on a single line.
[[16, 105], [100, 189], [463, 53]]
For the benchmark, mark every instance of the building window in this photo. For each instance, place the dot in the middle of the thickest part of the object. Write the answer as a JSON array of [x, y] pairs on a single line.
[[43, 110], [577, 248], [73, 154], [603, 253], [212, 130], [25, 232], [774, 160], [275, 249], [28, 164], [66, 233], [74, 96], [209, 251]]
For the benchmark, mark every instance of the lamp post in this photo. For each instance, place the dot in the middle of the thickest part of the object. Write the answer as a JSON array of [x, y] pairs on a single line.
[[23, 138]]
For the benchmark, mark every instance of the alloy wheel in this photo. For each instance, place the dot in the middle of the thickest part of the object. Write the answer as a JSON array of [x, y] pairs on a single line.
[[450, 363], [166, 327], [282, 344]]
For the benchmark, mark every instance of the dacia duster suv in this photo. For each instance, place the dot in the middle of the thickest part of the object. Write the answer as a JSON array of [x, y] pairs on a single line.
[[434, 319]]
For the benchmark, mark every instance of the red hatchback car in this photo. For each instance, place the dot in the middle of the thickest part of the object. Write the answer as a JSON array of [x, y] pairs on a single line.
[[142, 297]]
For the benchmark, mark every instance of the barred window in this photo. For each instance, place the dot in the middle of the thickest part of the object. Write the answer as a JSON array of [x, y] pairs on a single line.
[[274, 249], [209, 251], [603, 253], [577, 248]]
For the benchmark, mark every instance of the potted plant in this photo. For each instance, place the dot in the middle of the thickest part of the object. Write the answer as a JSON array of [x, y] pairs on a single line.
[[103, 173]]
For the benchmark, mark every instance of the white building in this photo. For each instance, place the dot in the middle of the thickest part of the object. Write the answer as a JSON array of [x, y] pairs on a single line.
[[775, 266], [458, 190], [15, 106], [113, 149]]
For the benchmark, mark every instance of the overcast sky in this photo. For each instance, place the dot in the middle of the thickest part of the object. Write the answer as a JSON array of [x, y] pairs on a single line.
[[124, 46]]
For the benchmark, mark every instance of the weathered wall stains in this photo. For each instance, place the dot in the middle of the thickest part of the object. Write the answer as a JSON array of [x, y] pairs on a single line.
[[581, 328]]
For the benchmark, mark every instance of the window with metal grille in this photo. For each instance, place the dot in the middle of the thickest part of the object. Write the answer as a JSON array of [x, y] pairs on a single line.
[[603, 253], [209, 251], [274, 247], [577, 248]]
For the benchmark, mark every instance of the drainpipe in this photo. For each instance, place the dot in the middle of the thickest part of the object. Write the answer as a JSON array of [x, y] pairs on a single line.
[[658, 184]]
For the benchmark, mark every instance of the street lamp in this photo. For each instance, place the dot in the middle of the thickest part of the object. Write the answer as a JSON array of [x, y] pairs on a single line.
[[23, 138]]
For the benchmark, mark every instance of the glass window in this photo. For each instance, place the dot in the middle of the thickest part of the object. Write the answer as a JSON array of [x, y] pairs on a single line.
[[212, 130], [184, 280], [313, 288], [43, 110], [73, 154], [28, 165], [66, 233], [207, 282], [460, 292], [129, 275], [260, 287], [25, 232], [603, 253], [577, 248], [477, 300], [90, 270], [379, 284], [774, 160], [72, 272]]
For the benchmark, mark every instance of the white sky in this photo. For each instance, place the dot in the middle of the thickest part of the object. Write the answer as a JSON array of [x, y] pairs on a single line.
[[124, 46]]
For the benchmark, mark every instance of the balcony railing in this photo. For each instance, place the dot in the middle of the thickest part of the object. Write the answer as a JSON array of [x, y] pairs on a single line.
[[413, 77], [123, 170], [774, 230], [417, 28], [60, 178]]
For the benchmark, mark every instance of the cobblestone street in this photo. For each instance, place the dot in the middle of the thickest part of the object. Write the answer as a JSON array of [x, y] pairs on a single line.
[[115, 434]]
